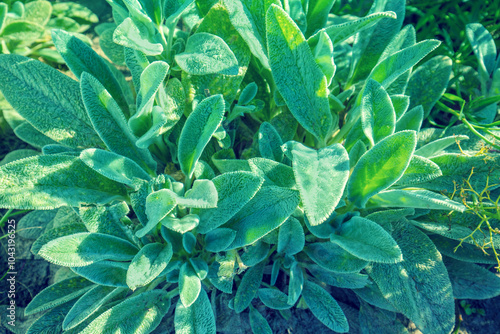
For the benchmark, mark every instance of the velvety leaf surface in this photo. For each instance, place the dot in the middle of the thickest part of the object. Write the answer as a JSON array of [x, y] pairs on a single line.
[[470, 281], [411, 120], [113, 166], [296, 74], [89, 303], [158, 206], [421, 199], [234, 190], [388, 70], [248, 18], [435, 147], [198, 318], [381, 166], [419, 286], [340, 280], [81, 58], [273, 173], [57, 294], [483, 46], [258, 323], [340, 32], [333, 258], [189, 285], [267, 210], [207, 54], [219, 239], [270, 142], [147, 264], [429, 82], [199, 128], [81, 249], [110, 123], [274, 299], [249, 285], [378, 118], [321, 177], [48, 100], [48, 182], [370, 44], [420, 170], [105, 273], [367, 240], [325, 308], [139, 314], [291, 239]]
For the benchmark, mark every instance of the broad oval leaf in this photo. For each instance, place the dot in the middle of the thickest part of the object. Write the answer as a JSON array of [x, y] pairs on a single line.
[[266, 211], [182, 225], [197, 318], [412, 120], [483, 46], [158, 205], [470, 281], [435, 147], [49, 322], [82, 249], [381, 166], [88, 304], [197, 131], [81, 58], [38, 12], [139, 314], [367, 240], [340, 280], [321, 177], [189, 285], [248, 287], [340, 32], [274, 299], [297, 76], [419, 286], [202, 195], [207, 54], [333, 258], [291, 239], [378, 118], [57, 294], [113, 166], [105, 273], [419, 199], [110, 123], [234, 189], [429, 82], [258, 323], [248, 18], [219, 239], [274, 173], [148, 263], [129, 34], [420, 170], [370, 44], [270, 142], [325, 308], [296, 283], [389, 69], [52, 181], [48, 100]]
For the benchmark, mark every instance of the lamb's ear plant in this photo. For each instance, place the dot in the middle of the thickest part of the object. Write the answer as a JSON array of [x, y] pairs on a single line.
[[25, 30], [254, 160]]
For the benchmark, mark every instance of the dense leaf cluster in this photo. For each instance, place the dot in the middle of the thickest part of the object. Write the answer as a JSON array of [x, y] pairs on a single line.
[[264, 152]]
